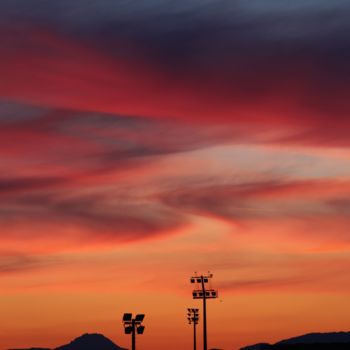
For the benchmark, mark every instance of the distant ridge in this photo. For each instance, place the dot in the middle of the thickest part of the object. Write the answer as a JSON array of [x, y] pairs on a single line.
[[33, 349], [312, 338], [310, 341], [86, 342]]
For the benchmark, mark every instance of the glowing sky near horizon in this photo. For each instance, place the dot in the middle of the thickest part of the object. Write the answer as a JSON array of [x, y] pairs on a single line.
[[143, 141]]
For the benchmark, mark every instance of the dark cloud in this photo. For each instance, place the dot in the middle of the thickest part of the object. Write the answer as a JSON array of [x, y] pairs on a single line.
[[85, 143], [257, 200], [56, 158], [302, 89], [15, 112], [15, 185], [193, 36], [340, 205], [86, 219], [191, 68], [266, 284], [122, 137], [58, 161], [189, 26], [16, 263]]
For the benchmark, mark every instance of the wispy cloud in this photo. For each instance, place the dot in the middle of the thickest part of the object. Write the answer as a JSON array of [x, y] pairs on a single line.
[[272, 198], [254, 83], [20, 263]]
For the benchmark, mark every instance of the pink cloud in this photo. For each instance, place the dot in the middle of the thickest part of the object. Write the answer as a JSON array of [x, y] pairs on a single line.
[[45, 68]]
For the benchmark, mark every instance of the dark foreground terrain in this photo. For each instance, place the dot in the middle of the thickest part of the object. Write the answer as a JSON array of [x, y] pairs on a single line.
[[312, 341], [86, 342]]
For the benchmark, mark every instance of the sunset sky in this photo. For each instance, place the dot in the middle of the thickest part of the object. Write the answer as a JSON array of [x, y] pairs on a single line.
[[141, 141]]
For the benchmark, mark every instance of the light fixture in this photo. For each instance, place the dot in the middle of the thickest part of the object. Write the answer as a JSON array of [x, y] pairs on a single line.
[[127, 317], [133, 326], [193, 317], [201, 292], [139, 318]]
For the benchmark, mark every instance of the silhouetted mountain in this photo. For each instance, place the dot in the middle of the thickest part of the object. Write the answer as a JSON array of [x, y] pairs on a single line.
[[311, 341], [86, 342], [312, 338], [32, 349], [90, 342], [260, 346]]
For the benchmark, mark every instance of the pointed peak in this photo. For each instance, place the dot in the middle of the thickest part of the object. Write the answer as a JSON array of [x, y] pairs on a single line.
[[90, 341]]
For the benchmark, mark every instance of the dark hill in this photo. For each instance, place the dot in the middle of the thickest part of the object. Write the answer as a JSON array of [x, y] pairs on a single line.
[[312, 338], [90, 342], [32, 349], [87, 342], [260, 346], [312, 341]]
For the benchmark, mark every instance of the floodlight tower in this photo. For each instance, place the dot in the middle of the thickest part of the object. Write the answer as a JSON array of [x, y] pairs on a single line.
[[133, 326], [193, 317], [203, 293]]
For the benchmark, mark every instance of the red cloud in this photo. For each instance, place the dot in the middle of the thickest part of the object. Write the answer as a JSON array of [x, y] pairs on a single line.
[[276, 198], [42, 67], [52, 220]]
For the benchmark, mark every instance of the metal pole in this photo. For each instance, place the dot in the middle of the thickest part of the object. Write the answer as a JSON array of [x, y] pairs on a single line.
[[204, 316], [133, 336], [194, 336]]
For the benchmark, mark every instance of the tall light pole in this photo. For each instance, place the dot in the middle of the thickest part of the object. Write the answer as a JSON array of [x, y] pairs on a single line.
[[133, 326], [193, 317], [201, 292]]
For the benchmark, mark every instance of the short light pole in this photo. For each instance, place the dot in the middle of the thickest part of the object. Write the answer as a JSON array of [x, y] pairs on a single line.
[[133, 326], [201, 292], [193, 317]]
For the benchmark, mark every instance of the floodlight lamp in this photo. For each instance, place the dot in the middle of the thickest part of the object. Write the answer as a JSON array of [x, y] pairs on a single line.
[[128, 330], [193, 280], [139, 318], [127, 317], [140, 329], [205, 280], [199, 280]]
